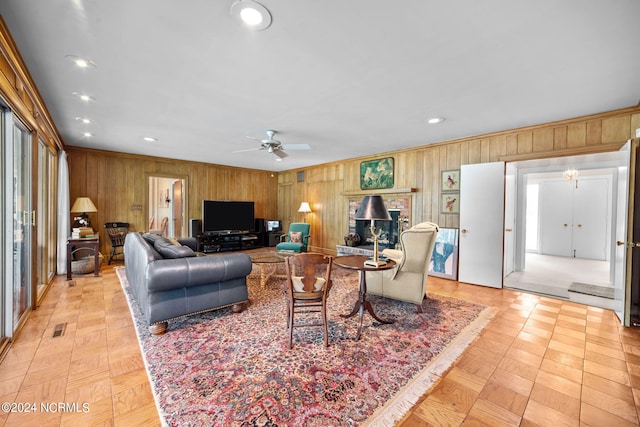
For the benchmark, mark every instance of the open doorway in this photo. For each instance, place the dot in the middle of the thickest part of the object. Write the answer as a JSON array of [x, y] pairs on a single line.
[[166, 205], [563, 244]]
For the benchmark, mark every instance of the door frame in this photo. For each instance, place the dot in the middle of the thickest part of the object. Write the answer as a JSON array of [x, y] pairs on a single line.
[[184, 199]]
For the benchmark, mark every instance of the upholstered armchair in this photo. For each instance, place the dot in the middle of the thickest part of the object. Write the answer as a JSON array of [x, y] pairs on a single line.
[[297, 239], [408, 280]]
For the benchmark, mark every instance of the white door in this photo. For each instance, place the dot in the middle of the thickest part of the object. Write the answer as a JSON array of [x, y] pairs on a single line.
[[509, 219], [556, 207], [624, 232], [480, 258], [590, 207]]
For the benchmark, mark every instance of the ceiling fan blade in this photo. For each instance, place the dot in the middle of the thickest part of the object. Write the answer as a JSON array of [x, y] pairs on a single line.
[[278, 152], [296, 147], [249, 149]]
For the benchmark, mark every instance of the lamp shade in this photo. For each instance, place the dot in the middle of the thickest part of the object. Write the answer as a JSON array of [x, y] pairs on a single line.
[[83, 204], [372, 208], [304, 207]]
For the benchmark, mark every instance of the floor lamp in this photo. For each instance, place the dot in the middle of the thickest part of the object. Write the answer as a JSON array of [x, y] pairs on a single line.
[[305, 209], [373, 208]]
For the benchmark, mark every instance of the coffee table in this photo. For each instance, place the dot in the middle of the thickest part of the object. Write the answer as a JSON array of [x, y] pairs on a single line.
[[268, 262], [356, 262]]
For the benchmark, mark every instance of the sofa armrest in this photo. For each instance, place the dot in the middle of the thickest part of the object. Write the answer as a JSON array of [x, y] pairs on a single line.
[[168, 274]]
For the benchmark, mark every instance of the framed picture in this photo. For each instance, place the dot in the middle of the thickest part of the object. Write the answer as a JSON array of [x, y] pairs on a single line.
[[444, 261], [450, 181], [376, 174], [450, 203]]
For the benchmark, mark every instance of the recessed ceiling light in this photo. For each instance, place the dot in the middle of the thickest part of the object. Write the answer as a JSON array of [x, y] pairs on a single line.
[[84, 120], [435, 120], [84, 96], [81, 62], [87, 134], [150, 139], [252, 14], [278, 159]]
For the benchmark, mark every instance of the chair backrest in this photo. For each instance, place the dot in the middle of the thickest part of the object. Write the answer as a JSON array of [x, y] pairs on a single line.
[[312, 282], [163, 225], [117, 231], [417, 247], [302, 227]]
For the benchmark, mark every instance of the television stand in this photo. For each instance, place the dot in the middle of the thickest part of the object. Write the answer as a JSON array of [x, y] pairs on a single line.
[[227, 241]]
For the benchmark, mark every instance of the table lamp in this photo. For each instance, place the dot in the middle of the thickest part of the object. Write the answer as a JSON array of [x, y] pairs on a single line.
[[84, 205], [373, 208], [305, 209]]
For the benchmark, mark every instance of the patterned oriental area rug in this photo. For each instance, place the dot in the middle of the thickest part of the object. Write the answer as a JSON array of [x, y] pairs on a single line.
[[225, 369]]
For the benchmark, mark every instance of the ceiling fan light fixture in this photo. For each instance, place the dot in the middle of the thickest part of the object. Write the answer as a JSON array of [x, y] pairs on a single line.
[[251, 14]]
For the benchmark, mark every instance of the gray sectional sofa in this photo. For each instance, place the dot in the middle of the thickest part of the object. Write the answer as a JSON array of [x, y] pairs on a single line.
[[170, 281]]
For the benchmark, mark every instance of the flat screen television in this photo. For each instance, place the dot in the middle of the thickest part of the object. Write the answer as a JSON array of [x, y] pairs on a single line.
[[227, 216], [273, 225]]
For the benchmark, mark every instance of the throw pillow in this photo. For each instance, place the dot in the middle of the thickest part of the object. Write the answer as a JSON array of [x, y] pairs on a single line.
[[169, 250], [295, 237], [174, 241]]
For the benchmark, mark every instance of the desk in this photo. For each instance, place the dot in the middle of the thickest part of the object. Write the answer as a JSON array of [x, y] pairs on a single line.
[[356, 262], [93, 243]]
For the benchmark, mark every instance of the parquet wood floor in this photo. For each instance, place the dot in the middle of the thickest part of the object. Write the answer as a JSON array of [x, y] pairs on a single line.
[[539, 362]]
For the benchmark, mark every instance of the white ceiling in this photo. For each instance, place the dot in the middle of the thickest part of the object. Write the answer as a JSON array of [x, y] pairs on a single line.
[[350, 78]]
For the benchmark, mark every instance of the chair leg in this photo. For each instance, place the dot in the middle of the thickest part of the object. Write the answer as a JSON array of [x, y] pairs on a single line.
[[291, 324], [113, 251], [324, 325], [419, 307]]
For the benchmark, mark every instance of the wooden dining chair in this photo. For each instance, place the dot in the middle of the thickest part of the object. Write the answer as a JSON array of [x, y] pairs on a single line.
[[307, 293]]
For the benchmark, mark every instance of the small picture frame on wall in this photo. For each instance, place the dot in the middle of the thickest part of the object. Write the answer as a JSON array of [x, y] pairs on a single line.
[[450, 181], [450, 203], [375, 174]]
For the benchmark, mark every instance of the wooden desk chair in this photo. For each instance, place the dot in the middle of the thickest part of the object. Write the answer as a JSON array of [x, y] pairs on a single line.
[[117, 231], [308, 293]]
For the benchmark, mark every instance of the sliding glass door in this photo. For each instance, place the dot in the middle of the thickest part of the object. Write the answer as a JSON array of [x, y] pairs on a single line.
[[23, 218], [46, 223]]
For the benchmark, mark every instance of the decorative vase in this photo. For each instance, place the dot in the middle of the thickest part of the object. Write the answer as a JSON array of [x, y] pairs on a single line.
[[352, 239]]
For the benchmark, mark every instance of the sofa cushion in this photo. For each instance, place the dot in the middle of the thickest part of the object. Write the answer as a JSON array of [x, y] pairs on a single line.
[[168, 249]]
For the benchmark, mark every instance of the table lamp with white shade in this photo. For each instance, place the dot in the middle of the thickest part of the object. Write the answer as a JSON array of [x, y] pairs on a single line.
[[83, 205]]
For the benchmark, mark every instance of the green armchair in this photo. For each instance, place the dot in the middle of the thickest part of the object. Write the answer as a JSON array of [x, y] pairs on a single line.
[[297, 239]]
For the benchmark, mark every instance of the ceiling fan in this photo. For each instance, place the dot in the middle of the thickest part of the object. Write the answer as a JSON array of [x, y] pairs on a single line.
[[274, 146]]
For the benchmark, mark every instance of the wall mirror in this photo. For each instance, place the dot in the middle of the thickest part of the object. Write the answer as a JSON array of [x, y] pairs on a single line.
[[166, 205]]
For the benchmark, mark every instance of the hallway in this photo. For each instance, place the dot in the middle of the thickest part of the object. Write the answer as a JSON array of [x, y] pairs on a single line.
[[552, 276]]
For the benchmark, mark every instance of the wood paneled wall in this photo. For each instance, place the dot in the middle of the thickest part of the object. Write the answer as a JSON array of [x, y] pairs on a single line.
[[327, 187], [117, 183]]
